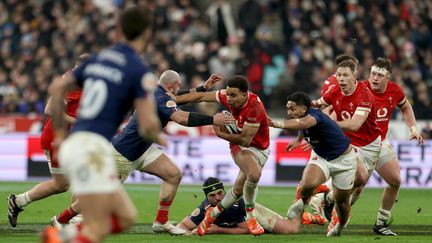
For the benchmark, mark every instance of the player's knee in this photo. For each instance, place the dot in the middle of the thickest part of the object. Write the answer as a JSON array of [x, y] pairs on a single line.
[[394, 182], [61, 187], [175, 176], [254, 176]]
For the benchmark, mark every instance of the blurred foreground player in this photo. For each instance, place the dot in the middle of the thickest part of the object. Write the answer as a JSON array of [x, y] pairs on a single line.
[[114, 80]]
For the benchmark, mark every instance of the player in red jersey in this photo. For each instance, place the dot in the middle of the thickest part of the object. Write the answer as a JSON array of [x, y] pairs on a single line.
[[249, 141], [58, 183], [331, 81], [387, 96], [354, 106]]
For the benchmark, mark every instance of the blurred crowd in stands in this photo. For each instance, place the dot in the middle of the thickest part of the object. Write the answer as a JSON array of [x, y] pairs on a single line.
[[281, 46]]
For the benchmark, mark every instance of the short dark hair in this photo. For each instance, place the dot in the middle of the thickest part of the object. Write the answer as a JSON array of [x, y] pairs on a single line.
[[347, 63], [212, 184], [300, 98], [238, 81], [134, 21], [344, 57], [383, 62], [82, 58]]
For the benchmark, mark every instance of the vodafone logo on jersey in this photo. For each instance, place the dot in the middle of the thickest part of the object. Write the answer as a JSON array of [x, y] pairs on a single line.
[[345, 115], [382, 112]]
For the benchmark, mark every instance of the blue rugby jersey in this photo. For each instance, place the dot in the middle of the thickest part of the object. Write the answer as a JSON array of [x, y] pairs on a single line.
[[228, 218], [326, 137], [129, 143], [111, 80]]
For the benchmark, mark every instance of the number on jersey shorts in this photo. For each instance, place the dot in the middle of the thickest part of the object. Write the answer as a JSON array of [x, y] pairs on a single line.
[[93, 99], [266, 217], [53, 165], [342, 169], [87, 161], [260, 154], [386, 154], [370, 153], [125, 167]]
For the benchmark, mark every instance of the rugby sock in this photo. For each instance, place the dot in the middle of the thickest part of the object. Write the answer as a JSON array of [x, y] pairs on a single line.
[[66, 215], [162, 213], [115, 225], [229, 199], [250, 192], [22, 200], [329, 197], [383, 216]]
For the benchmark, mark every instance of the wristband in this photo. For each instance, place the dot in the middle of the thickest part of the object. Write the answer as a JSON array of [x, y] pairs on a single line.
[[197, 119], [201, 89], [413, 129]]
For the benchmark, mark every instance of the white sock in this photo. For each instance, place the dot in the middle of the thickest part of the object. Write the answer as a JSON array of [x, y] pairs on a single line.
[[229, 199], [383, 216], [329, 197], [22, 200], [250, 193]]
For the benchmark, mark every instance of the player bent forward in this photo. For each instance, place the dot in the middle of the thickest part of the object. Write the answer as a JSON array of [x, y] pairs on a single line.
[[332, 156]]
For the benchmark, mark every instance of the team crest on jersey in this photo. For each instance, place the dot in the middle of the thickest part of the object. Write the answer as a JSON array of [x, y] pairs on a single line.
[[149, 82], [171, 104]]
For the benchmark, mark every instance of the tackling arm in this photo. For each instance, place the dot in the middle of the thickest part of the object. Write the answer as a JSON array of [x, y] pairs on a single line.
[[196, 97], [296, 124]]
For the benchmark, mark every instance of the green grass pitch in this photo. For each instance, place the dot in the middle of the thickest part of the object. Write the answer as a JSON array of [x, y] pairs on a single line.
[[412, 216]]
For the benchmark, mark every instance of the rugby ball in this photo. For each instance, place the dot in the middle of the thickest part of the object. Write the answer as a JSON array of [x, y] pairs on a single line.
[[231, 127]]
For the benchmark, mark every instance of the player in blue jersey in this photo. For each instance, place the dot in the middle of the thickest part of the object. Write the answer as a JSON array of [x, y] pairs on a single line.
[[233, 219], [332, 156], [131, 152], [113, 81]]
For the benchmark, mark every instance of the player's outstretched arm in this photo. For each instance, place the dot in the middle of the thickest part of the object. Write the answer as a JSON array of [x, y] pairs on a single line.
[[196, 97], [410, 120], [193, 119], [209, 83], [187, 225], [240, 229], [295, 124]]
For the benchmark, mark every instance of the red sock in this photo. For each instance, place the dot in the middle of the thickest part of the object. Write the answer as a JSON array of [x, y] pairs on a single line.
[[66, 215], [115, 225], [81, 239], [162, 213]]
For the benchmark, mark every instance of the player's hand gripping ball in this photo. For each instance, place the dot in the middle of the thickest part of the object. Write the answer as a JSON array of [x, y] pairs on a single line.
[[231, 127]]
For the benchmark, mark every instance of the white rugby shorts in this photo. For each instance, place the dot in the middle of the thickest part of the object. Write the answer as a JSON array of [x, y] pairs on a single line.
[[342, 169], [87, 161], [370, 153], [386, 154], [125, 167]]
